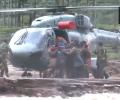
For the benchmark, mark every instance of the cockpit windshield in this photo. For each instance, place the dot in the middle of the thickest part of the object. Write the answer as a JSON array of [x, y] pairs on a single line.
[[31, 37], [21, 39]]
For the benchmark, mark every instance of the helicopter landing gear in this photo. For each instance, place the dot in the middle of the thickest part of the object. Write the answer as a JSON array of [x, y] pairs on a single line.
[[26, 74]]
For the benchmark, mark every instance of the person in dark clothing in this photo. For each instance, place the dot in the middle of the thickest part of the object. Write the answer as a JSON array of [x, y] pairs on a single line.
[[86, 55], [101, 63], [77, 67], [3, 58], [77, 63], [60, 57]]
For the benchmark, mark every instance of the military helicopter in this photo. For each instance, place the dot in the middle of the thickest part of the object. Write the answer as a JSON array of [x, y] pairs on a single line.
[[84, 25], [29, 46]]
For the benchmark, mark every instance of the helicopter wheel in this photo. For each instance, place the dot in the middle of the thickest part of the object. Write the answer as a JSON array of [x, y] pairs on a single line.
[[26, 74]]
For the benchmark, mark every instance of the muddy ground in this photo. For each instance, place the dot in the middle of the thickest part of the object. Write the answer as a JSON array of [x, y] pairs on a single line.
[[16, 86], [113, 69]]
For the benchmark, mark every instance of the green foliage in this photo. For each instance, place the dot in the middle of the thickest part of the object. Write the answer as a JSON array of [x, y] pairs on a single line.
[[113, 53], [107, 26], [5, 32], [7, 29]]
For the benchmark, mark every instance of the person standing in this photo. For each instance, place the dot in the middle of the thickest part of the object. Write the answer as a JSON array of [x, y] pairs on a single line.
[[86, 56], [77, 65], [3, 58], [60, 57], [101, 63]]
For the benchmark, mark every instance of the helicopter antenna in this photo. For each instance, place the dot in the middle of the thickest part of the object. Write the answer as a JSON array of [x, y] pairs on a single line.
[[57, 9]]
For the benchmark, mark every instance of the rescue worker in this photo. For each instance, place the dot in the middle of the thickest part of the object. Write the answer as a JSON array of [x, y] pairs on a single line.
[[86, 56], [78, 69], [60, 57], [101, 63], [3, 58], [78, 64], [69, 60]]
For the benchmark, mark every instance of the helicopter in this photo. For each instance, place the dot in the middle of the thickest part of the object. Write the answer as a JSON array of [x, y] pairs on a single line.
[[84, 26], [29, 46]]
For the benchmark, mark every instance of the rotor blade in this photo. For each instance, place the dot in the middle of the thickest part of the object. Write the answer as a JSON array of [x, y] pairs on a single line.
[[22, 10], [95, 7], [78, 7]]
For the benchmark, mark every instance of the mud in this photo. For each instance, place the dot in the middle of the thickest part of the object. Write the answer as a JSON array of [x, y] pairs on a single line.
[[15, 85]]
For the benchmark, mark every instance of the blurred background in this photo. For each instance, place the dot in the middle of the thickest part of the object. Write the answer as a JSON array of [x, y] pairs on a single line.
[[106, 19], [12, 21]]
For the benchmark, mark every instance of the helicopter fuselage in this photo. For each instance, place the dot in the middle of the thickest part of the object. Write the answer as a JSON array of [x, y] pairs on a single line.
[[29, 46]]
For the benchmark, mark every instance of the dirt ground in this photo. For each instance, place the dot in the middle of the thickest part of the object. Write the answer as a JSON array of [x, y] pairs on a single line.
[[113, 69], [74, 91]]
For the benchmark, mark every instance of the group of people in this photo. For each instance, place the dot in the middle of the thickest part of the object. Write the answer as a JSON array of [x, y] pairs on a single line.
[[70, 60], [73, 60]]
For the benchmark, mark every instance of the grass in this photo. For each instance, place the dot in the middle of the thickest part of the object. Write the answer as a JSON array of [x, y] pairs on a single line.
[[108, 27], [5, 32], [111, 53]]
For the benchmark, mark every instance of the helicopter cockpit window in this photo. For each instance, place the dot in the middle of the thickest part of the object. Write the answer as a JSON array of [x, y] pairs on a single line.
[[32, 37], [21, 39], [38, 20], [51, 38]]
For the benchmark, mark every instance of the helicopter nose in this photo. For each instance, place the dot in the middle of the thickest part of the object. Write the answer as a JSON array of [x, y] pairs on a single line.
[[26, 51]]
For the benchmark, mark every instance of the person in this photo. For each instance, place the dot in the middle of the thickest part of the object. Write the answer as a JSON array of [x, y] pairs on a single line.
[[101, 63], [70, 60], [3, 58], [75, 61], [78, 63], [60, 57], [86, 56]]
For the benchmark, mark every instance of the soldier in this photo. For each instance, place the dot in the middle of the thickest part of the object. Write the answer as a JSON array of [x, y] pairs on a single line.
[[3, 58], [86, 56], [76, 64], [101, 61]]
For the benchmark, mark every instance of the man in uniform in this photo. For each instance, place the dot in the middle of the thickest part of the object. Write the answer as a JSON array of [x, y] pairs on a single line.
[[101, 61], [3, 58], [86, 56]]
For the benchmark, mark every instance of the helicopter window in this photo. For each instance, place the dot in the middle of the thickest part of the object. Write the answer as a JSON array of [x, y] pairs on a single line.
[[51, 38], [21, 39], [38, 20], [33, 37]]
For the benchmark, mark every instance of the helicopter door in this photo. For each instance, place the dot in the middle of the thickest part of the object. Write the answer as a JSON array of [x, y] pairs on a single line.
[[61, 33], [51, 38]]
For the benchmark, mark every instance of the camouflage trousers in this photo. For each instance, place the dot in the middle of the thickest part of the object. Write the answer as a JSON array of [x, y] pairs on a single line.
[[3, 67], [101, 73]]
